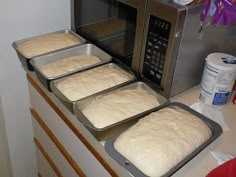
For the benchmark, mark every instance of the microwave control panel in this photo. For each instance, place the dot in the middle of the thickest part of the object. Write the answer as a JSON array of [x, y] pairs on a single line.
[[156, 47]]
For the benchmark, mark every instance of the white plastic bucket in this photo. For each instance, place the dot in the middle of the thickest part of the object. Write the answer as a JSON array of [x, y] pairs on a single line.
[[218, 79]]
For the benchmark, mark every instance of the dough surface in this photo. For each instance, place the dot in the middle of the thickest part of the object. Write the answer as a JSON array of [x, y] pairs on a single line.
[[160, 140], [116, 106], [69, 64], [47, 43], [78, 86]]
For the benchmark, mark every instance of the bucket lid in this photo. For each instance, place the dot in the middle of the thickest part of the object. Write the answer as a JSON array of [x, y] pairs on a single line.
[[222, 61]]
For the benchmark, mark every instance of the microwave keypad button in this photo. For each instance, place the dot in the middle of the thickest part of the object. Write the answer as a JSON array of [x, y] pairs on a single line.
[[154, 40], [156, 47], [153, 34], [164, 39], [158, 76], [148, 57], [149, 51], [150, 44], [152, 73]]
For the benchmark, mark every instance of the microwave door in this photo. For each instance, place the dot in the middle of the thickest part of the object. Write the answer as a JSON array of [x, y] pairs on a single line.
[[162, 35], [141, 7], [114, 25]]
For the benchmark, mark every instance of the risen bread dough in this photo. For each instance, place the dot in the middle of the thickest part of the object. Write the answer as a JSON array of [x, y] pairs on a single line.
[[119, 105], [47, 43], [162, 139], [69, 64], [86, 83]]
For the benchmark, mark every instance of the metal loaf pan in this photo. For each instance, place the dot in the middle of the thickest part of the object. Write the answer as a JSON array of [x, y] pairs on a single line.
[[70, 104], [86, 49], [26, 61], [81, 105], [214, 127]]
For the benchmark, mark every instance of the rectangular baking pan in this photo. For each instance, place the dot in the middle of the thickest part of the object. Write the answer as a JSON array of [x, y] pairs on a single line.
[[26, 61], [214, 127], [70, 104], [86, 49], [81, 105]]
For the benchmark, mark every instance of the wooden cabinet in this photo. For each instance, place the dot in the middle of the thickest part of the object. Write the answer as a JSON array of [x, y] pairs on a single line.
[[66, 146]]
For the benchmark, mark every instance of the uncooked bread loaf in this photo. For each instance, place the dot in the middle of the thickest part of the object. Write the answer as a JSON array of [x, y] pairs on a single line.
[[119, 105], [162, 139], [47, 43], [69, 64], [88, 82]]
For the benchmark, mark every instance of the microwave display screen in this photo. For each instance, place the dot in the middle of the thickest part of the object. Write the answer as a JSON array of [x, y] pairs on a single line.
[[111, 25], [156, 47]]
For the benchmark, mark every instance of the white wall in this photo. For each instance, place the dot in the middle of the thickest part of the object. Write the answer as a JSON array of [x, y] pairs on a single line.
[[20, 19]]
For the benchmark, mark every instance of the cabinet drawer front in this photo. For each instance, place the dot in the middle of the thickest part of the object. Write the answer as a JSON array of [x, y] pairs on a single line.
[[44, 168], [49, 147], [81, 155]]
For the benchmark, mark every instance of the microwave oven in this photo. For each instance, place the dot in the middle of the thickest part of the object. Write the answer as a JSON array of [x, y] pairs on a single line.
[[157, 39]]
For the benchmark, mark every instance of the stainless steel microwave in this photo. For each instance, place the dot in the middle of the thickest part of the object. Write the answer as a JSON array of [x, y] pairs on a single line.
[[158, 39]]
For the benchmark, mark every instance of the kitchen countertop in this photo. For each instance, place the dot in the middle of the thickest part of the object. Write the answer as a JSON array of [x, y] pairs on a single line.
[[199, 166], [204, 162]]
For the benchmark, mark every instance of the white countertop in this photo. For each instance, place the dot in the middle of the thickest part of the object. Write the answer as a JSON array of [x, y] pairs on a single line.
[[204, 162]]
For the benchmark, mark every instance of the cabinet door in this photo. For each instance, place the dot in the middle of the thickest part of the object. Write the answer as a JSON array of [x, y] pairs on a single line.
[[44, 168], [72, 144], [44, 143]]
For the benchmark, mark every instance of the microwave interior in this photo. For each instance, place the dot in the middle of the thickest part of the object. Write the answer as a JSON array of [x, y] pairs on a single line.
[[109, 24]]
